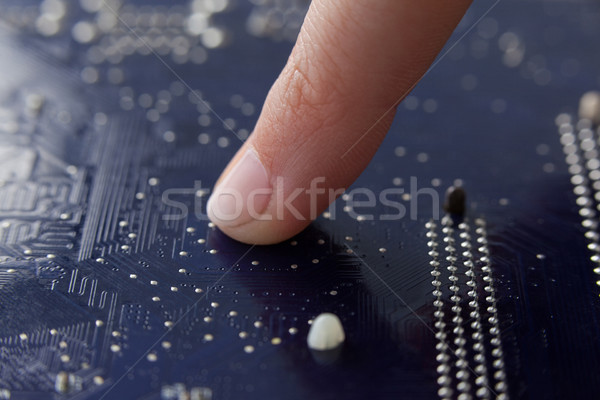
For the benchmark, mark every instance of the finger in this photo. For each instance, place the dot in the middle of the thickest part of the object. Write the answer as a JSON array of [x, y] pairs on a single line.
[[328, 112]]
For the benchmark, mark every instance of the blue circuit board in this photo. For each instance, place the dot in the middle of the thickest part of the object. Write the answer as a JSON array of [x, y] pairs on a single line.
[[117, 117]]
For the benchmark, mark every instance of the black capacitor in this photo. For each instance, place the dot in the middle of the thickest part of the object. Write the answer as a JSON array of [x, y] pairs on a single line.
[[456, 201]]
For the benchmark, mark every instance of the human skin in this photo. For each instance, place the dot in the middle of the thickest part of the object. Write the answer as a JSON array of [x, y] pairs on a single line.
[[328, 111]]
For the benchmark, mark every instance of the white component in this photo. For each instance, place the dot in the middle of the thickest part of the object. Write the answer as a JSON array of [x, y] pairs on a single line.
[[589, 107], [326, 332]]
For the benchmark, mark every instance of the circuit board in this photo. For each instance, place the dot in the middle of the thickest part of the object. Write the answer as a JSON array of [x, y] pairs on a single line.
[[116, 119]]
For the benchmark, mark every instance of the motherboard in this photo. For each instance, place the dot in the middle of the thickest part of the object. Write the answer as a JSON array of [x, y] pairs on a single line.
[[118, 116]]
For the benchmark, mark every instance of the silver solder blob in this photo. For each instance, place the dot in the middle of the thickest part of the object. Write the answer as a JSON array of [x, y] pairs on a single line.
[[326, 332]]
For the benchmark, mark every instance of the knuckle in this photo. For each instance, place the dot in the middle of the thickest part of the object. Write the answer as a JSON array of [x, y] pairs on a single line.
[[312, 90]]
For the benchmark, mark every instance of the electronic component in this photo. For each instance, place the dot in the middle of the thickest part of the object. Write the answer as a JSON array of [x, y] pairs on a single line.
[[589, 107], [455, 202], [326, 332]]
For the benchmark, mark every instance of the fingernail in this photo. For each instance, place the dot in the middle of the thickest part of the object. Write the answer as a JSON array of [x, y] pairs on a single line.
[[242, 195]]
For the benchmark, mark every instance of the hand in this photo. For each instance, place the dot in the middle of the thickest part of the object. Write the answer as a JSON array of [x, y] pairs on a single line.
[[328, 111]]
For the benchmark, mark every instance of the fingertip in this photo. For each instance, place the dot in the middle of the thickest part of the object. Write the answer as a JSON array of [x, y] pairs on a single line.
[[242, 193]]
